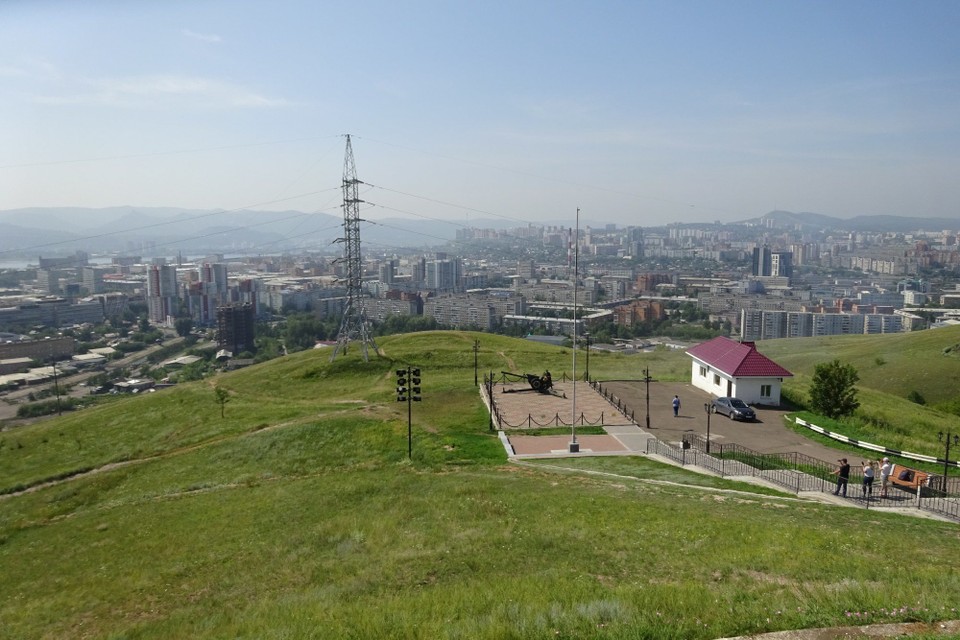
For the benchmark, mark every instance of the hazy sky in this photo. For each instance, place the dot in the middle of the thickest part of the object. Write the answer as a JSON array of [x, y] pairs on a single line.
[[636, 112]]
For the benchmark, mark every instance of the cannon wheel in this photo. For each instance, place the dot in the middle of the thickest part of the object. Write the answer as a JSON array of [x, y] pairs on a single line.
[[536, 384]]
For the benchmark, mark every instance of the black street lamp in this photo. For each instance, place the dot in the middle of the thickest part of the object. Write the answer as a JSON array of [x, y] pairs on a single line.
[[476, 350], [946, 454], [586, 373], [56, 387], [647, 379], [708, 408]]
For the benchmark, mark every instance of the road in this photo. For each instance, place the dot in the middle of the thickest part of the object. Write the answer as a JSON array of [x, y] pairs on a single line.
[[10, 401]]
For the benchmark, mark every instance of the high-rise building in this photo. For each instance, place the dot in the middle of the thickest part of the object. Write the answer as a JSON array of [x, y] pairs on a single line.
[[162, 293], [772, 263], [48, 280], [93, 279], [235, 327]]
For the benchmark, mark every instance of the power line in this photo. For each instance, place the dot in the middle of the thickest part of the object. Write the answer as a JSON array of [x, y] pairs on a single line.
[[451, 204], [529, 174], [154, 154], [164, 223]]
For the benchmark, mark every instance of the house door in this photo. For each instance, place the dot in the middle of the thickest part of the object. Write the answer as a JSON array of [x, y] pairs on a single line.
[[729, 387]]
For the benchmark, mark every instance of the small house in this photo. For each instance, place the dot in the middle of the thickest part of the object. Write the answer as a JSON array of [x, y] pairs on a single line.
[[725, 367]]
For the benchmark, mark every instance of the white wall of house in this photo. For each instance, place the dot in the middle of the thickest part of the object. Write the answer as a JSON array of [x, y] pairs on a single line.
[[711, 380], [758, 390], [750, 390]]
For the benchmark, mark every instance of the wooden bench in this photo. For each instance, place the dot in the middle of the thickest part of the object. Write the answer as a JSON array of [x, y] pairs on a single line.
[[917, 478]]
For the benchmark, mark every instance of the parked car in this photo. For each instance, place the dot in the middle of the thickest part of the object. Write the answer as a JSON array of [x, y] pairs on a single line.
[[734, 408]]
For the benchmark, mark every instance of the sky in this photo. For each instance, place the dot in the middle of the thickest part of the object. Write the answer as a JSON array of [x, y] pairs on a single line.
[[635, 113]]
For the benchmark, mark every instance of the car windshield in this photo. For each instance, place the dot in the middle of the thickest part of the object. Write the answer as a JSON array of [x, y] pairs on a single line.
[[738, 403]]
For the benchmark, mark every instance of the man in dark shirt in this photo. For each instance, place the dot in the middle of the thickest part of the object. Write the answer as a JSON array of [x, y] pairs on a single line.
[[843, 475]]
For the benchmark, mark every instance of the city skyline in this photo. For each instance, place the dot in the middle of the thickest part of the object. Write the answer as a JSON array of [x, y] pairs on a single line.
[[639, 114]]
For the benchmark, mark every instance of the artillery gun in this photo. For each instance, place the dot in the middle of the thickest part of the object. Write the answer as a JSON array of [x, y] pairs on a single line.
[[540, 384]]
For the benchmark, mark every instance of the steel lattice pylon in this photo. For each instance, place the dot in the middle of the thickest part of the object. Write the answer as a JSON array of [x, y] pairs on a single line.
[[354, 326]]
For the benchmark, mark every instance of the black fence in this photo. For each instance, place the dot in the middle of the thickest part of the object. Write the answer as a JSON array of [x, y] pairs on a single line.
[[620, 405], [798, 472], [499, 421], [505, 376]]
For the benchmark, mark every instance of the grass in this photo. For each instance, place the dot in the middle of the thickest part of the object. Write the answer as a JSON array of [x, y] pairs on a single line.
[[647, 469], [300, 515], [893, 364]]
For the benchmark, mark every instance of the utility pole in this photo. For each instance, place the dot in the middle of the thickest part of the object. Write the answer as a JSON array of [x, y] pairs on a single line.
[[354, 325], [476, 350]]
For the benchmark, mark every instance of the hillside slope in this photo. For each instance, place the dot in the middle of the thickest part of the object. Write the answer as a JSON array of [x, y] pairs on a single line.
[[299, 515]]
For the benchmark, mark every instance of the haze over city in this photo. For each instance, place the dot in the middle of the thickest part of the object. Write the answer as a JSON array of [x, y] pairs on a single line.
[[638, 113]]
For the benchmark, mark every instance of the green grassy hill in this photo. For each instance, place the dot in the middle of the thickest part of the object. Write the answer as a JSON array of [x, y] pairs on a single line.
[[924, 361], [298, 515]]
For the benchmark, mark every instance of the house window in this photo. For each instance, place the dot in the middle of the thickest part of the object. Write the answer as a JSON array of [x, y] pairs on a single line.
[[716, 380], [703, 372], [765, 391]]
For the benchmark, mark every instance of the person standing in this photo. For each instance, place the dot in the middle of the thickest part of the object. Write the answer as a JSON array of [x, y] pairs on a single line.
[[843, 476], [885, 470], [676, 406], [868, 474]]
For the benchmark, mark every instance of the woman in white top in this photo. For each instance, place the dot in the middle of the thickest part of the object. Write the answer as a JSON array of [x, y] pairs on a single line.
[[885, 470]]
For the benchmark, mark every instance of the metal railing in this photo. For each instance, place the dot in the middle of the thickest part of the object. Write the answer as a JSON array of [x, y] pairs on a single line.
[[498, 420], [616, 402], [531, 423], [799, 473]]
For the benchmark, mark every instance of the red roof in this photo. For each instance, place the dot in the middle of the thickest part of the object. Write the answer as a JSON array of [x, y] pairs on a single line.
[[737, 359]]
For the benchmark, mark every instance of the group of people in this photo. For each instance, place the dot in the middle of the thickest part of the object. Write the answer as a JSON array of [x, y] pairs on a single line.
[[870, 469]]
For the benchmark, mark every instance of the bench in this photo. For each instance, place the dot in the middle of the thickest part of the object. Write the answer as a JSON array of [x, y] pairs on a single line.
[[916, 478]]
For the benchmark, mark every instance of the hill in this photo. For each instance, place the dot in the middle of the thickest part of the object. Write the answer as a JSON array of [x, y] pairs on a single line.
[[866, 223], [299, 515], [166, 230]]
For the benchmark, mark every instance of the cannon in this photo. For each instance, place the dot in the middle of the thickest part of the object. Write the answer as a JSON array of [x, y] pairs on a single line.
[[541, 384]]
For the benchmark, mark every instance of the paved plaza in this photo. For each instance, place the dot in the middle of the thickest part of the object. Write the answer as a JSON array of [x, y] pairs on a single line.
[[521, 408]]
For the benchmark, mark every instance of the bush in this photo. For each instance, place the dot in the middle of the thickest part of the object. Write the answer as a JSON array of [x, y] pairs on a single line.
[[832, 389], [38, 409]]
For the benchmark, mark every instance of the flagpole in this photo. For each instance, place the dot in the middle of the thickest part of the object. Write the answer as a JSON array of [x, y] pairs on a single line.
[[574, 445]]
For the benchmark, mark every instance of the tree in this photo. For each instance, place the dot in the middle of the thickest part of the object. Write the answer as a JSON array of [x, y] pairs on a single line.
[[183, 325], [302, 331], [832, 389], [223, 397]]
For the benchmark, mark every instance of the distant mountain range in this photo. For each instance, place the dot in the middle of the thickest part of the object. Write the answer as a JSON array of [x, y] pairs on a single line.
[[151, 231], [888, 224]]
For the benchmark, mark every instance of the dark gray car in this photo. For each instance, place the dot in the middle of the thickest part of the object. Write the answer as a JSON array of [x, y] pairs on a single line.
[[733, 408]]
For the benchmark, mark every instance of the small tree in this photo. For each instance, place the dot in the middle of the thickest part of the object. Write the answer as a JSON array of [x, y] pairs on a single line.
[[832, 390], [223, 397], [183, 326]]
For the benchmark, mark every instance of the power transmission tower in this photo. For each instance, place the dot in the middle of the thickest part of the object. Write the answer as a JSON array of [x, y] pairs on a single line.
[[354, 324]]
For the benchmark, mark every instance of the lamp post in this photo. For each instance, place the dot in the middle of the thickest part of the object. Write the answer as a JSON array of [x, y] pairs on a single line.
[[646, 379], [408, 390], [708, 408], [476, 350], [56, 387], [946, 454], [586, 373]]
